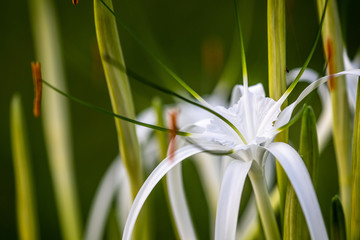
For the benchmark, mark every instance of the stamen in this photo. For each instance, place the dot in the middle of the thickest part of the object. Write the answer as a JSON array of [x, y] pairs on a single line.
[[173, 127], [75, 2], [36, 72], [331, 64]]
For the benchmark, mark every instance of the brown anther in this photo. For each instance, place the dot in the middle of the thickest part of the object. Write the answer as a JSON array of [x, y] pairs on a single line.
[[331, 64], [173, 127], [75, 2], [36, 72]]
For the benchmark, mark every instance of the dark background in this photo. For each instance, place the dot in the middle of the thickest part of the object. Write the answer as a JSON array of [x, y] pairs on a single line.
[[177, 31]]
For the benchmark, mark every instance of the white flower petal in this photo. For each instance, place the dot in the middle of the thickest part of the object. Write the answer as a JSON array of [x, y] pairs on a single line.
[[301, 182], [229, 199], [238, 92], [146, 116], [351, 81], [104, 196], [178, 204], [166, 165], [124, 198]]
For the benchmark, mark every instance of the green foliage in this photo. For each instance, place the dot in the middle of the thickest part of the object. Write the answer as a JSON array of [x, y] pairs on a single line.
[[25, 194], [337, 222], [294, 222]]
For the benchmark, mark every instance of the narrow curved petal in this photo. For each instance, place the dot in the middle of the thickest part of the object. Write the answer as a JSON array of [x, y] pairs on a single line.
[[301, 182], [179, 205], [324, 125], [351, 81], [229, 199], [105, 194], [124, 198], [285, 115], [166, 165]]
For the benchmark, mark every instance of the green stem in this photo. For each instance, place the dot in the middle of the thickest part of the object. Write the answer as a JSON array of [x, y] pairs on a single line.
[[55, 117], [355, 216], [266, 212], [277, 75], [333, 48], [25, 197], [119, 90]]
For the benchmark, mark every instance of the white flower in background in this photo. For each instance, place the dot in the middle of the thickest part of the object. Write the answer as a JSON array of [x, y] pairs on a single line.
[[256, 121], [324, 124], [115, 183]]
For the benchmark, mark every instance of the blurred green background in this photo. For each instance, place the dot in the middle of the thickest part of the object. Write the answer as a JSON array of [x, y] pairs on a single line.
[[180, 32]]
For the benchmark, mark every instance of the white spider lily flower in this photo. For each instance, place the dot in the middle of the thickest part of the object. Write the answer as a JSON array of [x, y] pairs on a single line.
[[115, 183], [258, 120]]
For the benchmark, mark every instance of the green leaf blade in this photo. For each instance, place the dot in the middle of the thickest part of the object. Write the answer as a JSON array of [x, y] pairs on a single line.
[[25, 194]]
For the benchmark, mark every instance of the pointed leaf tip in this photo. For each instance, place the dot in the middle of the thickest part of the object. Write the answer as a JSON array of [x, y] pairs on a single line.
[[338, 230]]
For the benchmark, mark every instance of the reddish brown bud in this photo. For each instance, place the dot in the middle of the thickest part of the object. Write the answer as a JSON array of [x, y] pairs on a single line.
[[75, 2], [330, 52], [173, 126], [36, 72]]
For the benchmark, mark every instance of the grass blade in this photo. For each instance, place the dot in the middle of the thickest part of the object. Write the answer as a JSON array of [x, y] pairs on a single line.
[[342, 122], [25, 194], [55, 117], [294, 222], [355, 212], [277, 76], [119, 90], [161, 63], [337, 221]]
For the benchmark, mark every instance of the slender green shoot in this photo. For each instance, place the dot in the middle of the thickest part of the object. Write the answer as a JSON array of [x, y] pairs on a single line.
[[337, 221], [295, 226], [25, 195], [355, 198], [153, 55], [144, 81], [317, 37], [243, 59], [181, 133]]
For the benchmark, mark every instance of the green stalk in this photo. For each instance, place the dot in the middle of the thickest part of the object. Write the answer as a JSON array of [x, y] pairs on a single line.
[[120, 94], [355, 216], [25, 194], [294, 222], [266, 212], [55, 116], [162, 139], [277, 75], [122, 102], [333, 48]]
